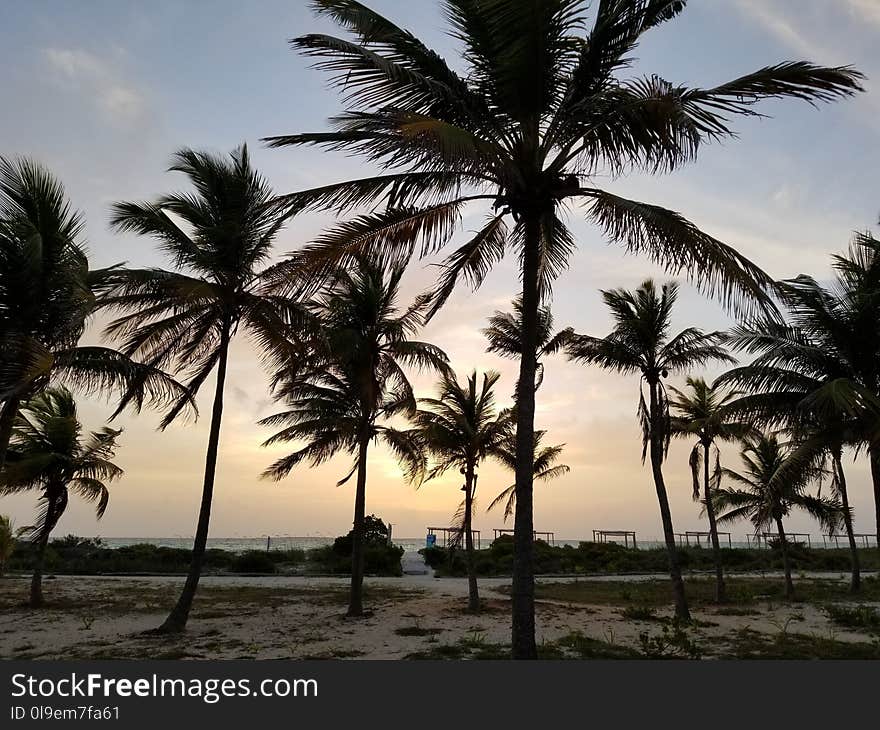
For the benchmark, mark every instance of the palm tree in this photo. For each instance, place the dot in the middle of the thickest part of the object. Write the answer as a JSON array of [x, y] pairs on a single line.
[[703, 413], [217, 239], [460, 428], [541, 108], [7, 542], [640, 343], [505, 336], [353, 382], [546, 468], [820, 372], [47, 294], [773, 484], [49, 454]]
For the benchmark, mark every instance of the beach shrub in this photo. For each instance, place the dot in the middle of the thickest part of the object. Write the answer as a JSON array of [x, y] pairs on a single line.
[[253, 561], [380, 556], [600, 558]]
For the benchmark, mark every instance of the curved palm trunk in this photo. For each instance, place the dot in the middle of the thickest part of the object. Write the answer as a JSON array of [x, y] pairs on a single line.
[[523, 584], [356, 597], [7, 420], [473, 592], [874, 452], [36, 597], [786, 565], [713, 530], [656, 447], [179, 615], [856, 578]]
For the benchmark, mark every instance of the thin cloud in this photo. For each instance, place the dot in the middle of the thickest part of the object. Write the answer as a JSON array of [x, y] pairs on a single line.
[[867, 11], [116, 99]]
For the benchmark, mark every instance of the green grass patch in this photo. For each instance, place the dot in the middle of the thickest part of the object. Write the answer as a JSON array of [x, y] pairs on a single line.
[[742, 592], [748, 644], [866, 618]]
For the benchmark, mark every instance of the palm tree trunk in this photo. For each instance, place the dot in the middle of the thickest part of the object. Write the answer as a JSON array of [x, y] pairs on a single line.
[[713, 530], [874, 453], [656, 446], [7, 421], [856, 579], [786, 566], [473, 592], [36, 598], [523, 584], [356, 597], [179, 615]]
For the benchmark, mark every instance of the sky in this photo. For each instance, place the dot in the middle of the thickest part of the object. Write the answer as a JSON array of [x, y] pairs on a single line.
[[104, 91]]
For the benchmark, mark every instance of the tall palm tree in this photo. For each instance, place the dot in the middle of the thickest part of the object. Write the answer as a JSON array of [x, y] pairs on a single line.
[[703, 412], [460, 428], [772, 485], [218, 239], [640, 344], [546, 468], [48, 454], [820, 371], [542, 106], [47, 294], [505, 335], [353, 382]]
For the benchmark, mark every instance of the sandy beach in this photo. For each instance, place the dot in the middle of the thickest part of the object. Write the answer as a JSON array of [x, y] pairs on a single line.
[[416, 616]]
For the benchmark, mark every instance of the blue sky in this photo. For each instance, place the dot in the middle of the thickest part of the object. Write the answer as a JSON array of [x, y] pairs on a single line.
[[103, 92]]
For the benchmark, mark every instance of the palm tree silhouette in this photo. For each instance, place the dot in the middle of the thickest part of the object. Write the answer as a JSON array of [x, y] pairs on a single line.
[[47, 295], [640, 344], [546, 468], [819, 373], [48, 454], [505, 337], [703, 412], [184, 319], [540, 110], [460, 428], [354, 381], [773, 483]]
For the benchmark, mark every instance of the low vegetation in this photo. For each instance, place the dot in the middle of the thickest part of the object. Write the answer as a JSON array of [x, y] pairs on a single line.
[[72, 555], [590, 558]]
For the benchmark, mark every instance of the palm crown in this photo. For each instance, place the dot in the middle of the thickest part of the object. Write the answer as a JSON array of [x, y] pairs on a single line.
[[505, 336], [822, 363], [771, 485], [540, 110], [356, 377], [703, 412], [49, 454], [461, 426], [640, 343], [546, 469], [47, 294], [218, 240]]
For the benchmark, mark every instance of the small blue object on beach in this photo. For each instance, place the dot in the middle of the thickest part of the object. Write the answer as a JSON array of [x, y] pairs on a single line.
[[430, 541]]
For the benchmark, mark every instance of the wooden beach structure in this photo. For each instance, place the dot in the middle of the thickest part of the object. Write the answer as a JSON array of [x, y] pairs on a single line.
[[698, 537], [548, 537], [860, 537], [609, 535], [762, 539], [449, 532]]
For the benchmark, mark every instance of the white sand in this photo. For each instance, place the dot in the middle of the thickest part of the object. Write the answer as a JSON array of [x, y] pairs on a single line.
[[297, 617]]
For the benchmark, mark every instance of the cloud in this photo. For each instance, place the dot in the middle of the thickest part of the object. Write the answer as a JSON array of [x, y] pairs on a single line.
[[778, 24], [116, 99], [867, 11]]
